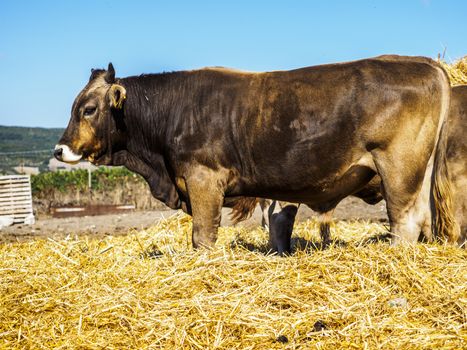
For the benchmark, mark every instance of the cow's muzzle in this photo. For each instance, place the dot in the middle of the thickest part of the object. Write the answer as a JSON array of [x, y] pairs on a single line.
[[64, 154]]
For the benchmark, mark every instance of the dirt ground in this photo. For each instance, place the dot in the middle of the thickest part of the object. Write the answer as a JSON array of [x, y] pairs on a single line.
[[119, 224]]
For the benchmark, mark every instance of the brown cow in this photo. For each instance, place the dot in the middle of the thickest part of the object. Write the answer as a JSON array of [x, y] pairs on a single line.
[[313, 135], [280, 216], [456, 157]]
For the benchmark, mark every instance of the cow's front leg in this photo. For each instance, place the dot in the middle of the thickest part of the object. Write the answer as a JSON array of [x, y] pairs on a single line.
[[206, 192]]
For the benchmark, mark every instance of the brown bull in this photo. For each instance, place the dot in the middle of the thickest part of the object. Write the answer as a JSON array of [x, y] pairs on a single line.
[[280, 216], [313, 135]]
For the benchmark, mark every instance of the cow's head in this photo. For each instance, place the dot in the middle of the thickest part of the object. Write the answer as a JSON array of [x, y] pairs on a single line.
[[96, 127]]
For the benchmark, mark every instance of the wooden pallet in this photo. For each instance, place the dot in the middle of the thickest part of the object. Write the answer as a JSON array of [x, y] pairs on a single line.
[[16, 198]]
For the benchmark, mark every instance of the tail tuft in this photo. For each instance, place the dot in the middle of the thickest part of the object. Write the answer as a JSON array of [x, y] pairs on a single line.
[[445, 227], [243, 209]]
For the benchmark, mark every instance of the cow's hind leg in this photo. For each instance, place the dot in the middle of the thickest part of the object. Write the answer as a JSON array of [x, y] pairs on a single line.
[[325, 220], [281, 221], [265, 204], [406, 184]]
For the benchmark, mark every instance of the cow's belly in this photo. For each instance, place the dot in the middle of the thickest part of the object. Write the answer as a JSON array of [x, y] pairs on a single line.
[[313, 187]]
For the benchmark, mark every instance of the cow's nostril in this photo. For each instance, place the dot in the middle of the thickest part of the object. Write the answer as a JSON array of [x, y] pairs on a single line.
[[58, 153]]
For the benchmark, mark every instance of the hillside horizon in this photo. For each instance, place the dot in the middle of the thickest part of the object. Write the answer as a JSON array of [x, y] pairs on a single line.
[[28, 146]]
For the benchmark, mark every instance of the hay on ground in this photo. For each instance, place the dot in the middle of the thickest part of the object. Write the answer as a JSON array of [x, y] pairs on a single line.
[[150, 290], [457, 71]]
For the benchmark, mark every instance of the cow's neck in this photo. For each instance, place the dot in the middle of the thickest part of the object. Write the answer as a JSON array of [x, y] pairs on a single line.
[[152, 100], [155, 174]]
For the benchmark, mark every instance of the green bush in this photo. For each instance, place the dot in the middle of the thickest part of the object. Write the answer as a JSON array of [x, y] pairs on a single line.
[[103, 178]]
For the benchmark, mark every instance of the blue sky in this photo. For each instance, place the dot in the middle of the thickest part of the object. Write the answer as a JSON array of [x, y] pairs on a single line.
[[47, 48]]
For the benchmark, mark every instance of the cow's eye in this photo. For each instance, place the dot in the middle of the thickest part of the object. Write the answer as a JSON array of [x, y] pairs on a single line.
[[89, 111]]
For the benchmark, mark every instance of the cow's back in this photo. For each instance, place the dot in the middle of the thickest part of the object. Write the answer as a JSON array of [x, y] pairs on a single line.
[[327, 118]]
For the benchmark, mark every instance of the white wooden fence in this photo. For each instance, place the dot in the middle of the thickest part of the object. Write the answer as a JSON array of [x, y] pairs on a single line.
[[16, 199]]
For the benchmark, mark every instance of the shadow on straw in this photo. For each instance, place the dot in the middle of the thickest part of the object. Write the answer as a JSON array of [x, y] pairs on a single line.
[[252, 247], [379, 238], [386, 238], [297, 244], [302, 244]]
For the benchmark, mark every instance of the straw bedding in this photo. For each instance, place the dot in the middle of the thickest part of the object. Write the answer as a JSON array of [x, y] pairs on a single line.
[[149, 289]]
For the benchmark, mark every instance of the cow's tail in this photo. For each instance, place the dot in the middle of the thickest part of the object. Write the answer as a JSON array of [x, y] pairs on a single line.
[[243, 209], [444, 225]]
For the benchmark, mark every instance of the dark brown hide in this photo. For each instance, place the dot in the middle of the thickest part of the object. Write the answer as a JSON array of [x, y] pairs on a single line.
[[313, 135], [456, 160]]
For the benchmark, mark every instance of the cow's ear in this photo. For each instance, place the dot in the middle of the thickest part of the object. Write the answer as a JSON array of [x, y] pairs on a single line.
[[117, 95], [110, 74]]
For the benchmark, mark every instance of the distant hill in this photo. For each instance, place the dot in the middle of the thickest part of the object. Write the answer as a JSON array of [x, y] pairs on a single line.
[[26, 146]]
